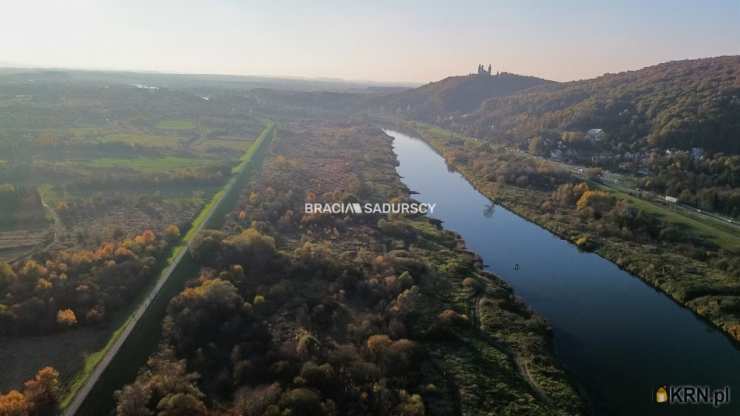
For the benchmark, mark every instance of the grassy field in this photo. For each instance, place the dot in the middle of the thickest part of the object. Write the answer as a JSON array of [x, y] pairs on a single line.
[[176, 124], [706, 228], [93, 135], [230, 144], [147, 164]]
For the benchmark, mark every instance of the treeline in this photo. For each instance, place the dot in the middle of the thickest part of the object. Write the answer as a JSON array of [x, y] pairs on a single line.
[[507, 168], [711, 183], [70, 288], [127, 178]]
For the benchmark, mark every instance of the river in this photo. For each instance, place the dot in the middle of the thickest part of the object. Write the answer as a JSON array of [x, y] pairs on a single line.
[[618, 337]]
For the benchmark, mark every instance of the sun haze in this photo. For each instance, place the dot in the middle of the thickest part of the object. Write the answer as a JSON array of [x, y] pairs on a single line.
[[410, 41]]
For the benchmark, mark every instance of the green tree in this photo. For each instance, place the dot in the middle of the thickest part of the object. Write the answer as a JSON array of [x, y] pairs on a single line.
[[537, 146]]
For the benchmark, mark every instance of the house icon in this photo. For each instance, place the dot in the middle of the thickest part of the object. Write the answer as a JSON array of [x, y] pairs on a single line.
[[661, 395]]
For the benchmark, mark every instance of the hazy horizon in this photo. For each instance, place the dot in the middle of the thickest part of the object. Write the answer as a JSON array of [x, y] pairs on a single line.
[[409, 43]]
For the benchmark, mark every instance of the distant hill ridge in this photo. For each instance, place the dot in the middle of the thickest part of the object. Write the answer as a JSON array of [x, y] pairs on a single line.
[[458, 94], [674, 104]]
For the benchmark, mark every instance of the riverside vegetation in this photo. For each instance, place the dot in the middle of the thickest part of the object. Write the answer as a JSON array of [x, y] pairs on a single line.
[[694, 261]]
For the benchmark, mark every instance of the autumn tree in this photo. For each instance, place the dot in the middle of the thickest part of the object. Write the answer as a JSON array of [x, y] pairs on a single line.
[[598, 202], [42, 392], [133, 400], [13, 403], [66, 317], [537, 146], [181, 404], [167, 385], [249, 247], [206, 247], [172, 233], [211, 312], [7, 276]]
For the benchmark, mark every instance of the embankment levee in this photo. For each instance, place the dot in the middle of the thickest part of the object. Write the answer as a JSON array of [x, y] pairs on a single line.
[[139, 336]]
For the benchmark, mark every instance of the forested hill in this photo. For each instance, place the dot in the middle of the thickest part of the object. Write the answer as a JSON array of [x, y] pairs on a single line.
[[675, 104], [457, 95]]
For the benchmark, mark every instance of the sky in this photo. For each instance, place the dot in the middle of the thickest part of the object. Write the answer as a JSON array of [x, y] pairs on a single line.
[[378, 40]]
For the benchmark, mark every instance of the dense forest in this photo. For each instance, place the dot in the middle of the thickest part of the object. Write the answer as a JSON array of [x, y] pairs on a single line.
[[305, 314], [682, 104]]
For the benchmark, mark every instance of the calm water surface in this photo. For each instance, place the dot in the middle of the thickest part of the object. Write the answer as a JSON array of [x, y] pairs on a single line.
[[618, 337]]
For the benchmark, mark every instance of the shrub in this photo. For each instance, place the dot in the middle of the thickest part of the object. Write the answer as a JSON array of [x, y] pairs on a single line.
[[472, 284], [450, 317], [307, 344], [255, 402], [585, 243], [405, 280], [378, 343], [319, 376], [302, 401], [66, 317], [411, 405], [172, 233]]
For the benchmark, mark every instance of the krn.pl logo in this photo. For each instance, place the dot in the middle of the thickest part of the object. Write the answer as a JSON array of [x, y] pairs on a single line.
[[661, 395]]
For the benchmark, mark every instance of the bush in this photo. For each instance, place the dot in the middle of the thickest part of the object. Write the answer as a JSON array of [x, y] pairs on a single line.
[[585, 243], [473, 284], [250, 247], [452, 318], [412, 405], [405, 280], [302, 401], [255, 402], [318, 376], [378, 343]]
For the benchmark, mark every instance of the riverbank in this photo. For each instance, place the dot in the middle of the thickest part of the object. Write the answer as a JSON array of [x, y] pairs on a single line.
[[692, 281]]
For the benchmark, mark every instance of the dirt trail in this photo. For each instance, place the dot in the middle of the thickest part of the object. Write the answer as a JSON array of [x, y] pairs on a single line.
[[521, 366], [57, 230]]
